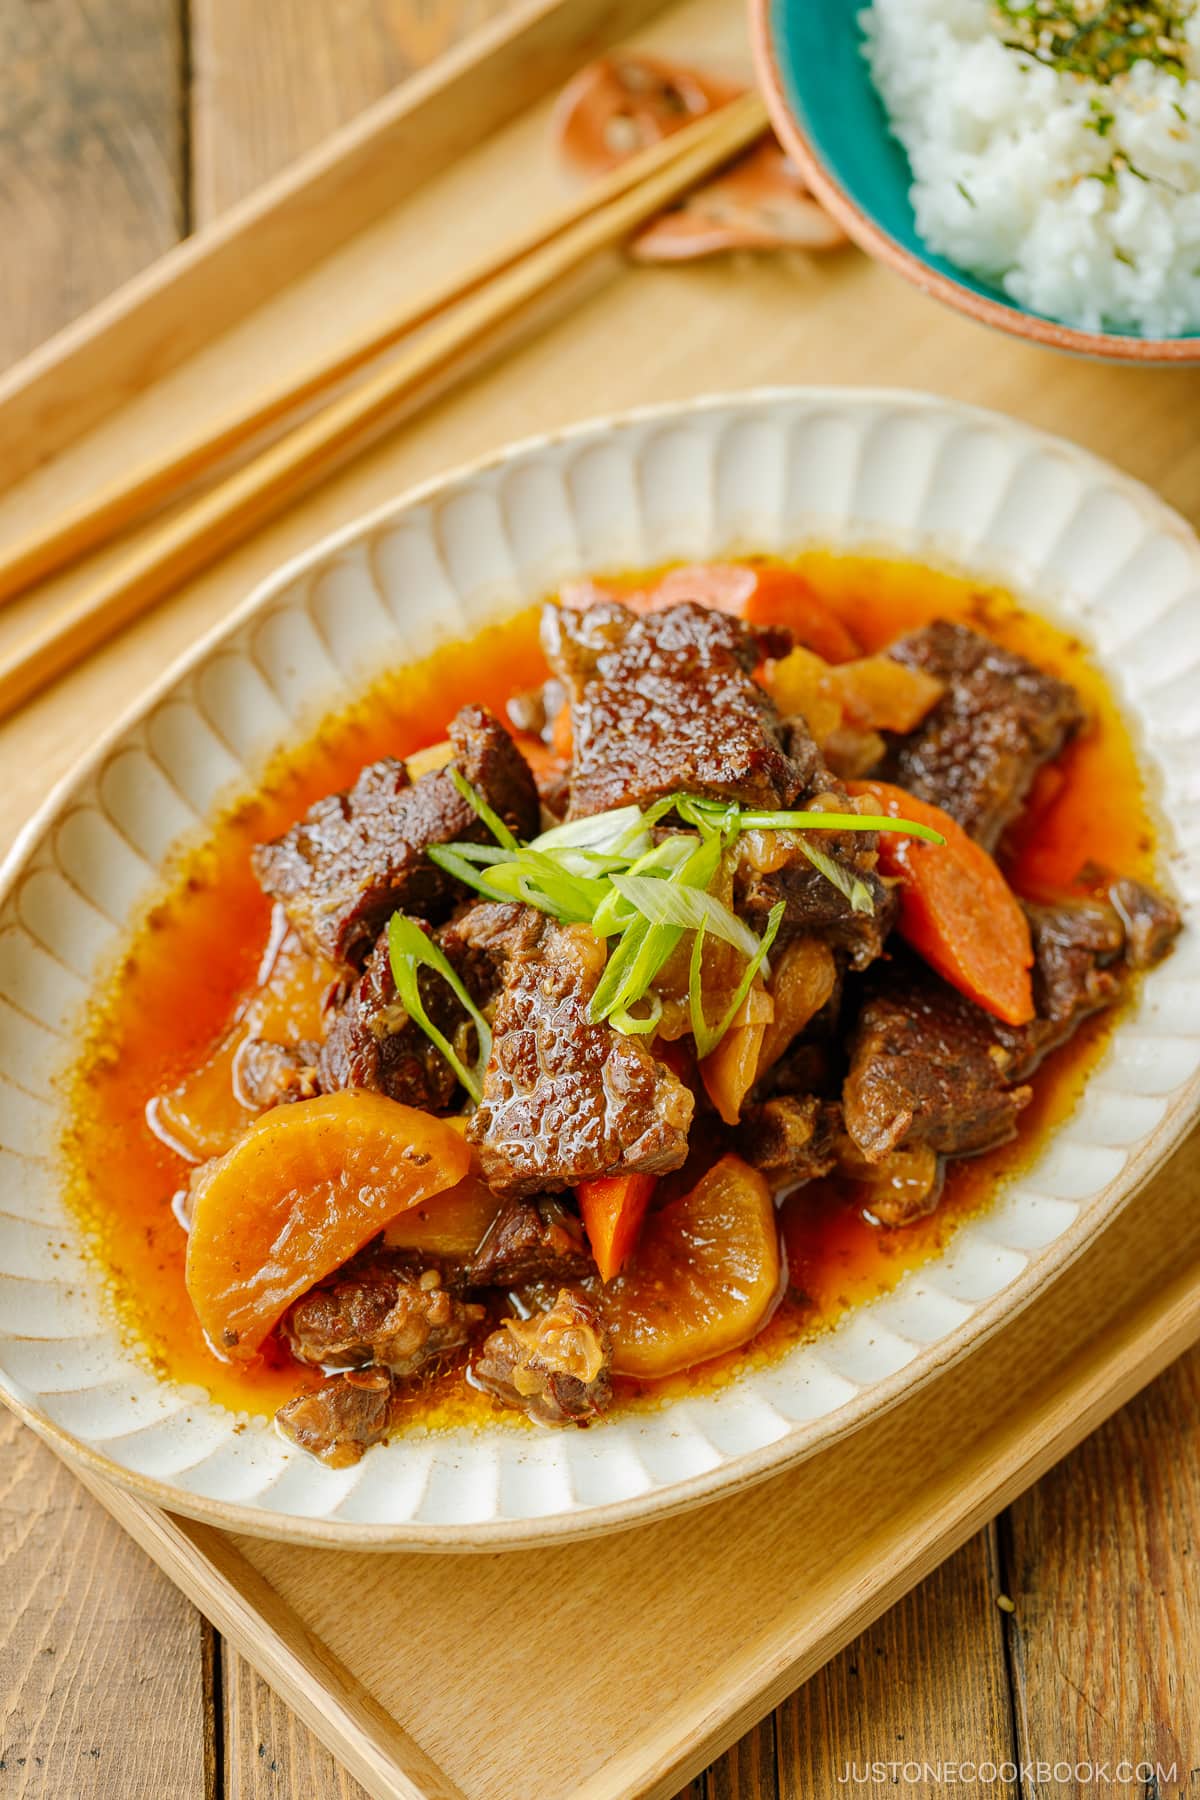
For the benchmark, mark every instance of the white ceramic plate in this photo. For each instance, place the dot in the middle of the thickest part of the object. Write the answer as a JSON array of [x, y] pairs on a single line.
[[767, 471]]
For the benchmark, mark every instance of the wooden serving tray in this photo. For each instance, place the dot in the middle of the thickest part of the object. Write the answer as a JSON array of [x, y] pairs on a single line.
[[616, 1667], [619, 1667]]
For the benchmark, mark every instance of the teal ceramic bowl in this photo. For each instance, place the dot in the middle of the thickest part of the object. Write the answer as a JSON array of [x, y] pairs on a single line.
[[831, 121]]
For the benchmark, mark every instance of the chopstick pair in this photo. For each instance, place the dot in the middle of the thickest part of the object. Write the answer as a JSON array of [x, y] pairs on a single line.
[[447, 329]]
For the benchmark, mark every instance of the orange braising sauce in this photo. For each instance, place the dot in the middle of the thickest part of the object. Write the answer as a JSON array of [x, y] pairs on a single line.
[[194, 955]]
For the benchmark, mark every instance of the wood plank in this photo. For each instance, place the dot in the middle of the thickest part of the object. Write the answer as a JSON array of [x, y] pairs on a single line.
[[102, 1659], [246, 1609], [270, 1754], [269, 82], [103, 1663], [91, 155], [203, 287], [926, 1683], [1102, 1561], [748, 1771]]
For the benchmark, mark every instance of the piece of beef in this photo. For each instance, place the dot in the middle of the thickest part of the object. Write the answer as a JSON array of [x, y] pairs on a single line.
[[1151, 922], [564, 1099], [531, 1242], [356, 857], [976, 754], [666, 703], [792, 1138], [372, 1043], [1084, 954], [796, 1139], [267, 1074], [1077, 969], [904, 1187], [381, 1313], [553, 1366], [926, 1068], [340, 1419], [481, 937], [811, 1066], [774, 866]]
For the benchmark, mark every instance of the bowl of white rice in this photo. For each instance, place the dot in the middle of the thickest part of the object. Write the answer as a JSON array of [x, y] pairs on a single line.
[[1035, 163]]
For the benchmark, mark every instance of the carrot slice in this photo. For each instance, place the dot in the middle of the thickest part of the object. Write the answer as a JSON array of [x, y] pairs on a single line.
[[956, 909], [562, 740], [613, 1207], [762, 594], [784, 597], [304, 1188]]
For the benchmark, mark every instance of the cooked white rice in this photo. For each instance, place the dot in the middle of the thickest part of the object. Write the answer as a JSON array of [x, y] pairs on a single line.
[[1081, 199]]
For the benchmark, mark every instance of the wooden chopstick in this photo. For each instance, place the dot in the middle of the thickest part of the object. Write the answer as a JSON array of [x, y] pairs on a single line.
[[205, 529], [103, 516]]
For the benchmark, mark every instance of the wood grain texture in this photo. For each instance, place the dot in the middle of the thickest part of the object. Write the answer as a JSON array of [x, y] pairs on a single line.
[[102, 1660], [91, 155], [104, 1665], [211, 283], [748, 1771], [1085, 1577], [928, 1682], [269, 1753], [271, 81], [1102, 1561]]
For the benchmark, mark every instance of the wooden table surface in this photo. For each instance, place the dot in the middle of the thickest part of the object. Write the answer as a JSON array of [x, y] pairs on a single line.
[[124, 124]]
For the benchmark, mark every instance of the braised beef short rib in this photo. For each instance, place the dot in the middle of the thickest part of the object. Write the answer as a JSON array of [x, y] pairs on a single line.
[[976, 754], [357, 857], [665, 703]]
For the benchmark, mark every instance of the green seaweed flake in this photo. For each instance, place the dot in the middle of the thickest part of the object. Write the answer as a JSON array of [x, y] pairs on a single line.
[[1101, 39]]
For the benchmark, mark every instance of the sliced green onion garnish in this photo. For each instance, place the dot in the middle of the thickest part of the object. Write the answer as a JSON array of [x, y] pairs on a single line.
[[476, 853], [629, 947], [606, 871], [447, 857], [642, 1025], [822, 821], [411, 950], [671, 903], [695, 990], [711, 817], [599, 831], [648, 942], [651, 946], [491, 819], [707, 1039], [614, 914], [521, 874], [844, 880]]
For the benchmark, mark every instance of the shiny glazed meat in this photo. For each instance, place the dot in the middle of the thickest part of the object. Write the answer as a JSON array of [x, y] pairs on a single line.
[[593, 1138]]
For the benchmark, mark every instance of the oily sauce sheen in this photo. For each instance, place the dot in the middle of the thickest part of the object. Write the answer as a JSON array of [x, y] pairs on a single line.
[[194, 956]]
